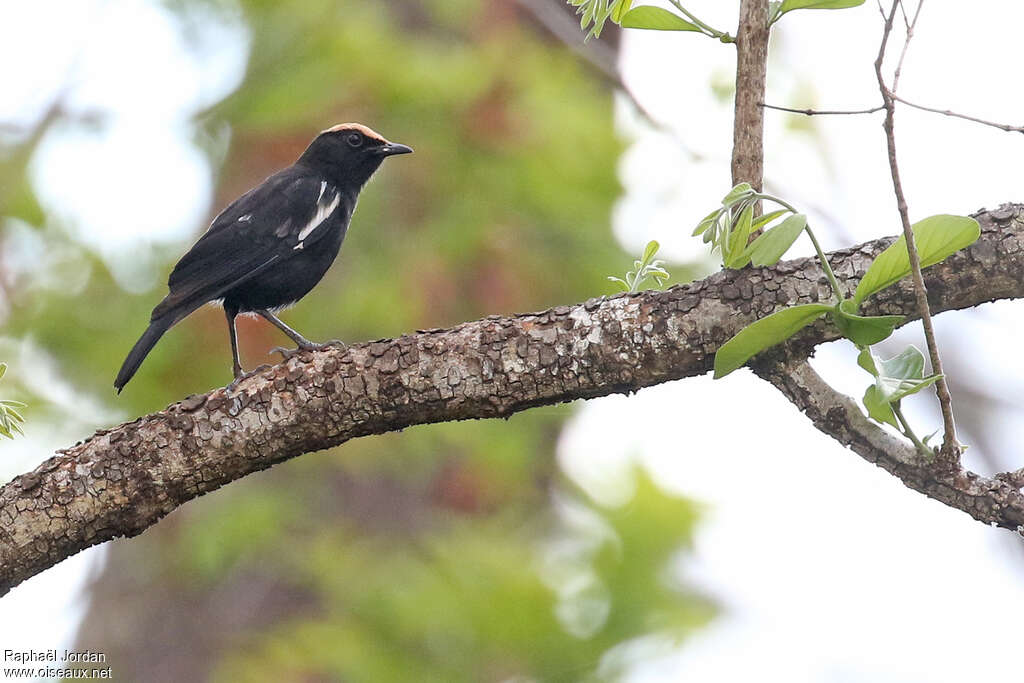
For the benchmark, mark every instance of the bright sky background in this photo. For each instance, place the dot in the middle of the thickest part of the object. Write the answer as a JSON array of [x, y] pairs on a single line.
[[827, 568]]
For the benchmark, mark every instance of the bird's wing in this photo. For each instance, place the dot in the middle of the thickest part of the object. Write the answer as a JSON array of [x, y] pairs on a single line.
[[262, 227]]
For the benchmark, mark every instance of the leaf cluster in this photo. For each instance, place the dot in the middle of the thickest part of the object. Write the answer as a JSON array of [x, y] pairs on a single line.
[[595, 13], [729, 227], [937, 238], [644, 268], [895, 379]]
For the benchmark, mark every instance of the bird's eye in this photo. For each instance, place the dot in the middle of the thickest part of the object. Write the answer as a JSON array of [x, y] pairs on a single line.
[[354, 139]]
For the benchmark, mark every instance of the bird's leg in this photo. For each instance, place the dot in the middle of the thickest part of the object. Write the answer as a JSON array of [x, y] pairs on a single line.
[[236, 364], [303, 343]]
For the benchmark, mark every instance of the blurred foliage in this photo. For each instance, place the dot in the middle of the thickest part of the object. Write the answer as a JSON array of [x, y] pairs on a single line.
[[10, 418], [467, 601], [448, 552]]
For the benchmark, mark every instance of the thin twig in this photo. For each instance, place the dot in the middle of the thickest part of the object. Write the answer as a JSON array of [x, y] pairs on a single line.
[[950, 445], [881, 108], [907, 430], [821, 112], [947, 112], [704, 28], [906, 43]]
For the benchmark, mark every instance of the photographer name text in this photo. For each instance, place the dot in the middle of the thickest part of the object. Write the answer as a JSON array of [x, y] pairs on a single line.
[[28, 656]]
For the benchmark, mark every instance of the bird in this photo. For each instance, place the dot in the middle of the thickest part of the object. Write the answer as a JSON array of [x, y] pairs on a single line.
[[272, 245]]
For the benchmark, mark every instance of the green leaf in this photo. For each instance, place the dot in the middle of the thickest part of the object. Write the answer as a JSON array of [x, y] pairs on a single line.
[[769, 247], [863, 330], [867, 361], [902, 375], [3, 369], [936, 237], [594, 13], [619, 9], [909, 364], [878, 408], [724, 234], [734, 254], [622, 283], [649, 251], [706, 222], [790, 5], [737, 193], [656, 19], [768, 218], [765, 333], [896, 390]]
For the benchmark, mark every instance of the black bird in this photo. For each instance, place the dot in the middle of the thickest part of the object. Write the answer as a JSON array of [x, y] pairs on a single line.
[[273, 244]]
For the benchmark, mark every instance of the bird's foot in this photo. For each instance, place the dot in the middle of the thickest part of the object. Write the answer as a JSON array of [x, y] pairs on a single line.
[[286, 354], [239, 376]]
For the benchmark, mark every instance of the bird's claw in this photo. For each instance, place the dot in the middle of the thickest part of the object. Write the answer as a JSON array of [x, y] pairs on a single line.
[[245, 375], [287, 354]]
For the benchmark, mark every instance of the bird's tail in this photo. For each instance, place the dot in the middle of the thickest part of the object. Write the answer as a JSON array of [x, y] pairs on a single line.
[[146, 342]]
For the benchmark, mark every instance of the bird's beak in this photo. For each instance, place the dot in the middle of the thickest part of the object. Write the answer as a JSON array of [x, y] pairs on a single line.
[[392, 148]]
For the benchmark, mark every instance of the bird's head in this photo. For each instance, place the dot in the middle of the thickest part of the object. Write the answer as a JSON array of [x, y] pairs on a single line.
[[349, 153]]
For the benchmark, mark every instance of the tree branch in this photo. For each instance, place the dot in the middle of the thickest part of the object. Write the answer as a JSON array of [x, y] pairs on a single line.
[[123, 480], [997, 500], [946, 112], [751, 76], [822, 112]]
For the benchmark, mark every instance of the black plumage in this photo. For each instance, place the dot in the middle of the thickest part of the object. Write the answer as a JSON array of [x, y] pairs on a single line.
[[273, 244]]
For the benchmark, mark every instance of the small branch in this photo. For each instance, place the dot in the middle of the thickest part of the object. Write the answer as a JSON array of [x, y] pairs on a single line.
[[950, 445], [822, 112], [993, 501], [947, 112], [908, 431], [909, 24], [704, 28]]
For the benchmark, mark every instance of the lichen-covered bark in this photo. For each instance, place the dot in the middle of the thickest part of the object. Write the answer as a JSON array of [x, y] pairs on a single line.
[[123, 480]]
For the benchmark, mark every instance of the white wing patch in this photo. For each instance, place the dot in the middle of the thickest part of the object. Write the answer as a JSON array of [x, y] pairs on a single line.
[[323, 210]]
